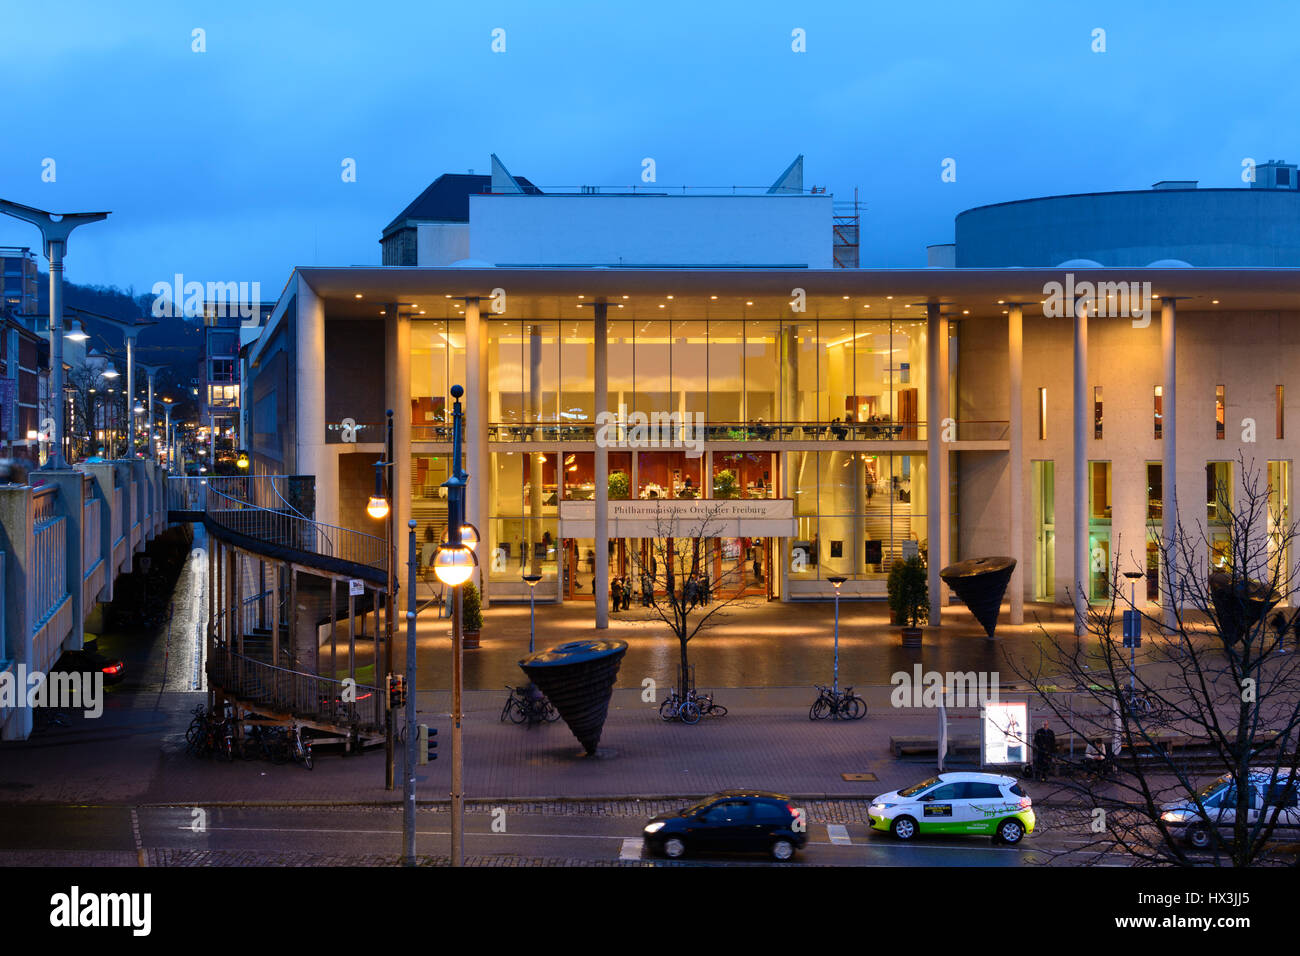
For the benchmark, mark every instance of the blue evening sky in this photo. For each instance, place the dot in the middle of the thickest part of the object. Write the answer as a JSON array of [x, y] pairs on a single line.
[[226, 165]]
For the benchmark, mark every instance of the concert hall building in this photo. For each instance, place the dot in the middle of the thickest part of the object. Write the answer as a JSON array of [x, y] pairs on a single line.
[[724, 355]]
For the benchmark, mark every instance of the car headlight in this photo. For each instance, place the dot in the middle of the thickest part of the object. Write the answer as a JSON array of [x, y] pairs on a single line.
[[883, 806], [1174, 816], [654, 827]]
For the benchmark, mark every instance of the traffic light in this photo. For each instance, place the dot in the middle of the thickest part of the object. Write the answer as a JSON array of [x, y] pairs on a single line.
[[396, 691], [428, 743]]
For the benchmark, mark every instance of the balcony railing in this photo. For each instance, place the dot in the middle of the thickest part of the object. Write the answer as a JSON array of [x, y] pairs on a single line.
[[675, 433], [232, 505], [306, 696]]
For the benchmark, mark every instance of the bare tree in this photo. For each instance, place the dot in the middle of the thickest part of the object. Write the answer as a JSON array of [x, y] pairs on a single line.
[[675, 562], [1215, 694], [89, 390]]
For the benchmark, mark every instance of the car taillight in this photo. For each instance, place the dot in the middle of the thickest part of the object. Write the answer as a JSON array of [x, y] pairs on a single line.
[[113, 668], [1025, 803]]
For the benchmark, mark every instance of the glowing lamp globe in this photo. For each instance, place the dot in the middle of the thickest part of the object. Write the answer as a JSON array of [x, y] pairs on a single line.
[[377, 507], [453, 566]]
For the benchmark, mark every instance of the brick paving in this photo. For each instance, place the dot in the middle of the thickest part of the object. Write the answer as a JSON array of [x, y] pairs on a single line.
[[134, 755], [755, 643]]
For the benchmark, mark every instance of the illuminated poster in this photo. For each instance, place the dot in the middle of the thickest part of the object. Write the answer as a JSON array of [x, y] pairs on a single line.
[[1005, 725]]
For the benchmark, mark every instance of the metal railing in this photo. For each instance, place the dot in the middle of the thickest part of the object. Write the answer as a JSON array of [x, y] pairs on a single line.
[[90, 540], [305, 696], [185, 494], [675, 432], [288, 529], [49, 557]]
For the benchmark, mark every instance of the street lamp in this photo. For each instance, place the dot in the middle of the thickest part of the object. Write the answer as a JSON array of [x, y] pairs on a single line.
[[1133, 630], [532, 580], [55, 230], [379, 509], [167, 430], [412, 733], [837, 580], [453, 564]]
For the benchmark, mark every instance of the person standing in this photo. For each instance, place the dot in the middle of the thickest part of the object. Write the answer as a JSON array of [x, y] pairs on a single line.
[[616, 593], [1044, 750]]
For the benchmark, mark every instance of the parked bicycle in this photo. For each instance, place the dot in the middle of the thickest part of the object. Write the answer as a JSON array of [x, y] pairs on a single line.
[[708, 708], [1137, 703], [211, 736], [529, 704], [676, 707], [843, 706]]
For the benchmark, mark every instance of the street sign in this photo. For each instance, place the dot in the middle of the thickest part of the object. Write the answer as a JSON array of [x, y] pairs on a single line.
[[356, 587], [1132, 629]]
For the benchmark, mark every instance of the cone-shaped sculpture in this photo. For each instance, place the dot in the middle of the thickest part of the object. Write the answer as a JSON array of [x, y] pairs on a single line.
[[980, 583], [578, 677], [1241, 607]]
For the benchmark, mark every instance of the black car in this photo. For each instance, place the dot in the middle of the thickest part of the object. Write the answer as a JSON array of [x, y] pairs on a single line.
[[731, 821], [88, 661]]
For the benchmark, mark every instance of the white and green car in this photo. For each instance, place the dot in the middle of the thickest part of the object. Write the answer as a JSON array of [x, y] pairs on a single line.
[[986, 803]]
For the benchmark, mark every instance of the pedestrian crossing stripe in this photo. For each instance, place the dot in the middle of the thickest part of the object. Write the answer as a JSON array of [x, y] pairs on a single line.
[[631, 849], [839, 834]]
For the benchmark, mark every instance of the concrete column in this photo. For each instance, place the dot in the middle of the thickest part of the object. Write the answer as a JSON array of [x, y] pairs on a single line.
[[130, 396], [1016, 459], [313, 456], [1081, 406], [534, 416], [783, 489], [73, 497], [600, 328], [1169, 460], [16, 515], [937, 505], [477, 493]]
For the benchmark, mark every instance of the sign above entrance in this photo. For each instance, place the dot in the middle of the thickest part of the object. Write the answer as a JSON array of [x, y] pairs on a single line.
[[683, 518]]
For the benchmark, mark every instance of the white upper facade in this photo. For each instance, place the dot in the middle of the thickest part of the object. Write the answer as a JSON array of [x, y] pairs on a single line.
[[784, 227]]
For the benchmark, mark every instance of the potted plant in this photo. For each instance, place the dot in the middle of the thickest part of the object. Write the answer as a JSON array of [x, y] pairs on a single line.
[[724, 484], [618, 485], [471, 621], [909, 598]]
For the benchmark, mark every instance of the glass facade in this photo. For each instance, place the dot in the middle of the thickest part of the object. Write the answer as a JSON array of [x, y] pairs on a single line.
[[1044, 495], [748, 379], [1099, 516], [837, 380]]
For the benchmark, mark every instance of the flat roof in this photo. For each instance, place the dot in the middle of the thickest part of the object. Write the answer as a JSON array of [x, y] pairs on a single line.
[[695, 293]]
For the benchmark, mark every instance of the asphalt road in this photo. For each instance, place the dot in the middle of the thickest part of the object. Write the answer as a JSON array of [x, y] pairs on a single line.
[[370, 835]]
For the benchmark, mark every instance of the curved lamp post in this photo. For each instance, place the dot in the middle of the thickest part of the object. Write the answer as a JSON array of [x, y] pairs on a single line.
[[453, 564], [532, 580], [836, 580], [55, 229]]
